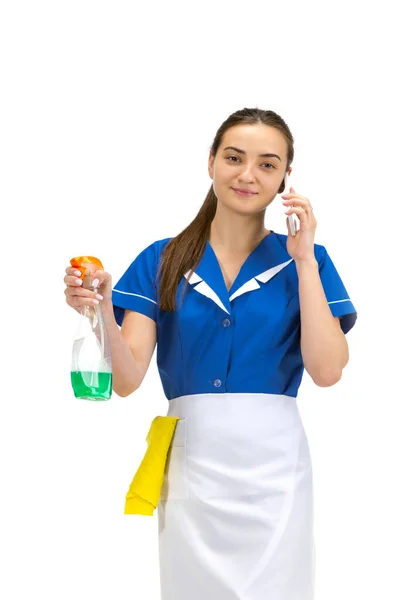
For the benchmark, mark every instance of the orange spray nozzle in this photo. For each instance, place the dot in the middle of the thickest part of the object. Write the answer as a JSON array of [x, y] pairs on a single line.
[[79, 262]]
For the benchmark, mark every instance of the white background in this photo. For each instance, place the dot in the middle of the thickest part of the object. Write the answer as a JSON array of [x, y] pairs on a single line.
[[108, 111]]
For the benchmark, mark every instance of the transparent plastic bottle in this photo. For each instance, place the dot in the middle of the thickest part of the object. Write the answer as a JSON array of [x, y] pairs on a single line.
[[91, 369]]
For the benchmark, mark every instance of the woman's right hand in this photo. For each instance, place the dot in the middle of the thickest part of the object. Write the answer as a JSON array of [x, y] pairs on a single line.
[[77, 297]]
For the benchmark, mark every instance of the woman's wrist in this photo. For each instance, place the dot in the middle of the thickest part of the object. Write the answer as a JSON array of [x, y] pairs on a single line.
[[107, 310]]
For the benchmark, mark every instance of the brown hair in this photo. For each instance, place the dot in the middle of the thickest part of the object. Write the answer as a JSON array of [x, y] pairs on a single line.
[[183, 253]]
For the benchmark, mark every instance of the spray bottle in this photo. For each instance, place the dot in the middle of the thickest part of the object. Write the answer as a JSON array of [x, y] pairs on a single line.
[[91, 372]]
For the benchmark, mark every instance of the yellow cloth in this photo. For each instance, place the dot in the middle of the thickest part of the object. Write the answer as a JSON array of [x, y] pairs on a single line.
[[145, 489]]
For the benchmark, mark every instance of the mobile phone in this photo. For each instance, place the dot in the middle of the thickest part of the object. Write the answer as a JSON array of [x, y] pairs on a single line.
[[291, 217]]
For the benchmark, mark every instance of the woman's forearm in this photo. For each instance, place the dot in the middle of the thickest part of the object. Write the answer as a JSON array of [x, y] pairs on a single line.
[[127, 375], [323, 344]]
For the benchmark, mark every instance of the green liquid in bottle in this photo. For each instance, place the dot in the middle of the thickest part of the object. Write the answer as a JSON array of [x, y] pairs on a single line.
[[91, 386]]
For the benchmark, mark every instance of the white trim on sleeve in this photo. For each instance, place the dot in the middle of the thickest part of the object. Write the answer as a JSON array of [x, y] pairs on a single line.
[[336, 301], [137, 295]]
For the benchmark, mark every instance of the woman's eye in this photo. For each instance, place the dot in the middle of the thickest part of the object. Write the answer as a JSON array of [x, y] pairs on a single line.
[[273, 166]]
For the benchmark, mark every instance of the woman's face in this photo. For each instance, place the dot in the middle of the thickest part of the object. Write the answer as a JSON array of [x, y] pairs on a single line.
[[238, 165]]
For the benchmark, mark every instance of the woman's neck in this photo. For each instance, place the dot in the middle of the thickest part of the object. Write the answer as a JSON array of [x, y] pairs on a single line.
[[237, 235]]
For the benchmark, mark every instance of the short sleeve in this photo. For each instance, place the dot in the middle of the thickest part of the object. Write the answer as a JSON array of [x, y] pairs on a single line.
[[136, 290], [336, 294]]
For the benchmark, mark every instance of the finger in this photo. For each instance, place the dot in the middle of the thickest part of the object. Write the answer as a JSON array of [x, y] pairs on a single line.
[[306, 208], [295, 195], [302, 215], [296, 210], [72, 280], [98, 278], [79, 301], [297, 202], [100, 275], [71, 291], [73, 271]]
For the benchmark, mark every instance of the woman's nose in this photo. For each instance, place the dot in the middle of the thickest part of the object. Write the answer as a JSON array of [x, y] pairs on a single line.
[[246, 173]]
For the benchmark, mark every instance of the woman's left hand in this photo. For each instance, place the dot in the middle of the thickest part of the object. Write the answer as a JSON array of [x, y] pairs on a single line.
[[301, 246]]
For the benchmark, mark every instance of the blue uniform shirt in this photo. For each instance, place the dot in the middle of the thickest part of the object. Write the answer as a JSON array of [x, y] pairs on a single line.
[[244, 340]]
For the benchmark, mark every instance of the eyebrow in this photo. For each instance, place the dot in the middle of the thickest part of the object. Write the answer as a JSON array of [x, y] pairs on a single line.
[[243, 152]]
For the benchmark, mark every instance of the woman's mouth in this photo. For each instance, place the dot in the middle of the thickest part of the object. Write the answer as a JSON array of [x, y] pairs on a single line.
[[244, 192]]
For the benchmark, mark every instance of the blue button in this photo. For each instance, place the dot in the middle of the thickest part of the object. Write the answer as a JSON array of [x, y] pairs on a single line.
[[226, 322], [217, 383]]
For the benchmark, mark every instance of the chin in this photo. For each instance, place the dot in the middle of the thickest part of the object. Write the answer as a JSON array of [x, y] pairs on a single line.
[[240, 204], [247, 211]]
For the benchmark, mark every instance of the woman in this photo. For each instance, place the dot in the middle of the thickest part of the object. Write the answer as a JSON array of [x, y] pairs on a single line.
[[238, 311]]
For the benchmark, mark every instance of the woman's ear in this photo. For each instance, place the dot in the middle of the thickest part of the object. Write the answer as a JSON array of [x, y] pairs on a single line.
[[282, 187], [211, 166]]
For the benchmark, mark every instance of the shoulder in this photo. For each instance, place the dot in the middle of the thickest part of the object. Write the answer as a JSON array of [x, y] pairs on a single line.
[[160, 244], [144, 265], [149, 257], [155, 248]]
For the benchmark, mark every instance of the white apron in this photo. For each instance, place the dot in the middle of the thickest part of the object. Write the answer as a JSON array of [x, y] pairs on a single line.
[[235, 516]]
